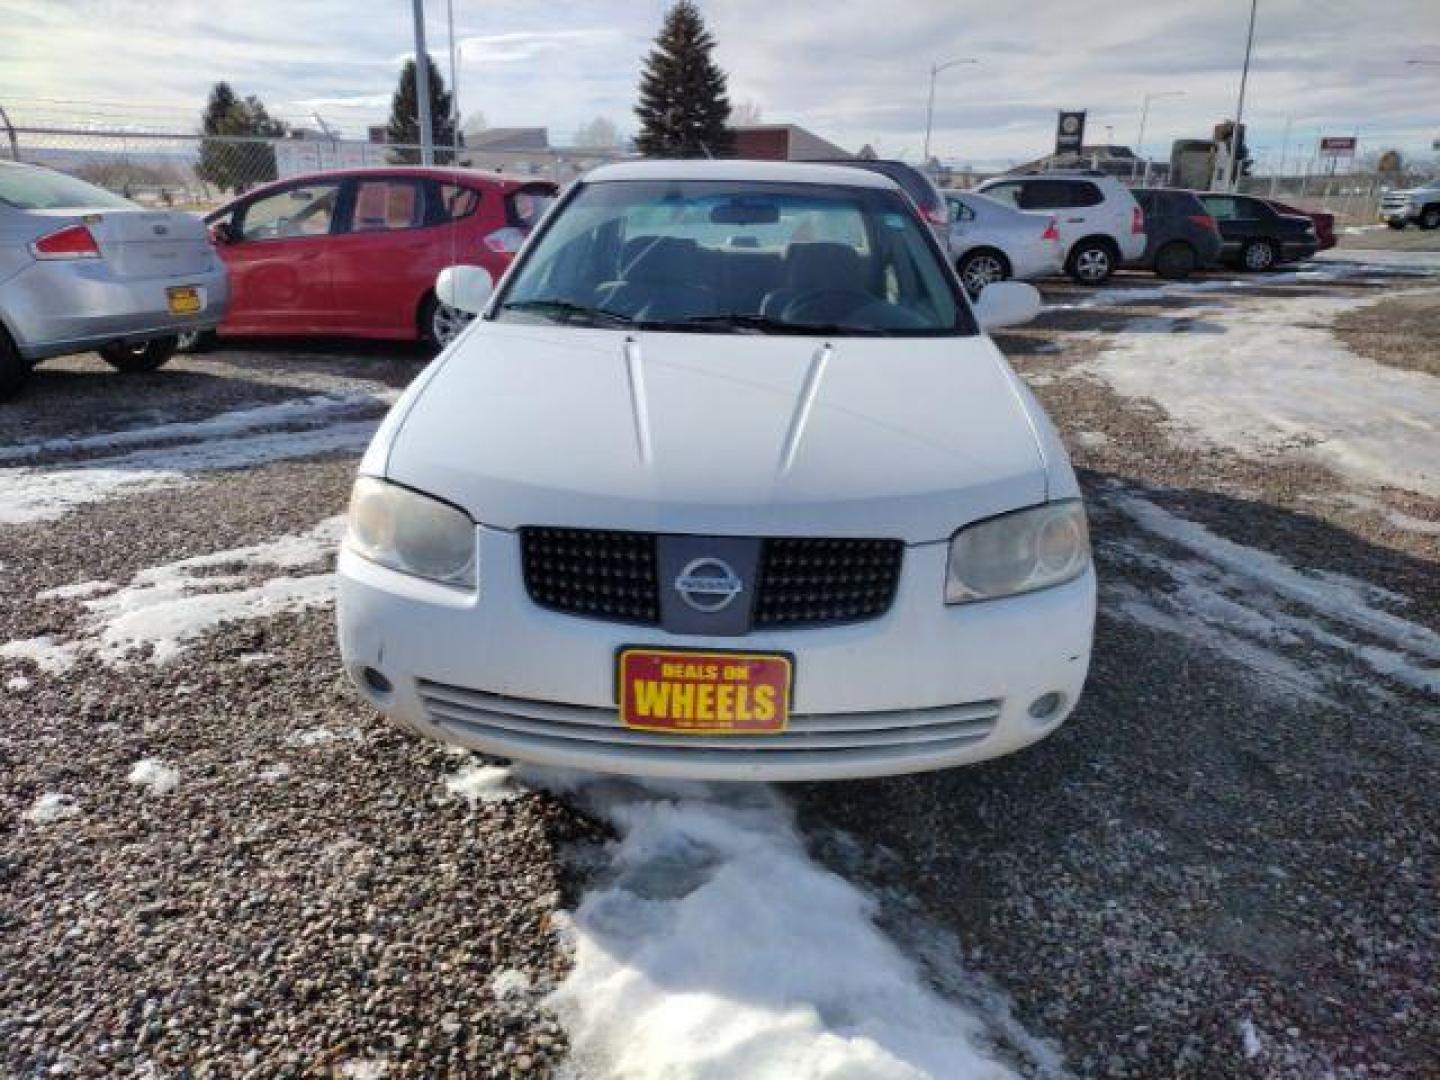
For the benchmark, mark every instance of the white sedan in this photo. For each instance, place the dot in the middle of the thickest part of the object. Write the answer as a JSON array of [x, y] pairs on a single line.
[[725, 482], [991, 242]]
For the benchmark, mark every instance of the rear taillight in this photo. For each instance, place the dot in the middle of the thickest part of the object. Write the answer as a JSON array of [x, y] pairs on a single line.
[[1051, 231], [1205, 221], [1137, 221], [71, 242], [505, 241]]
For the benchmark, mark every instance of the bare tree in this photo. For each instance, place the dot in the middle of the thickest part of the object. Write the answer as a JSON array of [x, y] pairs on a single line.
[[745, 113], [599, 133]]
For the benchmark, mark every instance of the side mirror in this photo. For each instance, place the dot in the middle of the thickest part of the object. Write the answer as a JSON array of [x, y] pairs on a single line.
[[466, 288], [222, 232], [1007, 303]]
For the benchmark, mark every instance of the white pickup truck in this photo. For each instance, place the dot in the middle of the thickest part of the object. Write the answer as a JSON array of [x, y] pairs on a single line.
[[1418, 204]]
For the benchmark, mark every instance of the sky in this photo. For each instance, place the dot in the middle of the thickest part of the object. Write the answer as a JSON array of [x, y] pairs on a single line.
[[853, 71]]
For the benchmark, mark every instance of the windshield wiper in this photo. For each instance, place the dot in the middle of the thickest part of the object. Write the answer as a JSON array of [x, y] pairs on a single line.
[[569, 311], [764, 324]]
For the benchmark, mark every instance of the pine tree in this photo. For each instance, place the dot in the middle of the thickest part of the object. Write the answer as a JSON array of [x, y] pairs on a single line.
[[404, 125], [683, 103], [233, 165]]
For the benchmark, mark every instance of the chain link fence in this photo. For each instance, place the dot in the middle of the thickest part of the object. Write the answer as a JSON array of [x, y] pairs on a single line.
[[194, 172]]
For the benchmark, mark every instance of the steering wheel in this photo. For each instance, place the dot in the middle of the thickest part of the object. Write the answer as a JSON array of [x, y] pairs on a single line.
[[825, 305]]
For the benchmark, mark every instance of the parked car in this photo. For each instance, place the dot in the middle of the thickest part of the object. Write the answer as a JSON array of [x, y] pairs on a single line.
[[1323, 222], [82, 269], [1180, 235], [1256, 237], [726, 482], [355, 253], [990, 241], [923, 191], [1101, 224], [1412, 206]]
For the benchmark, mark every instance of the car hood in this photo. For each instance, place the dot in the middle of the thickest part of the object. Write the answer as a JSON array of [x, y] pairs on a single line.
[[720, 433]]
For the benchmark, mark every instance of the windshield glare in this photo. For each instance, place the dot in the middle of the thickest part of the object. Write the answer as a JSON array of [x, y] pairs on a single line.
[[737, 256]]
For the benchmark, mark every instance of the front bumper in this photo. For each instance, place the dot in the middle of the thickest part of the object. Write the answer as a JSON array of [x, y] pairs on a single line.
[[926, 686], [54, 308]]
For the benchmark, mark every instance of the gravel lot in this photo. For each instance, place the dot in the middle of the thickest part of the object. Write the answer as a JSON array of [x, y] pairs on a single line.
[[224, 864]]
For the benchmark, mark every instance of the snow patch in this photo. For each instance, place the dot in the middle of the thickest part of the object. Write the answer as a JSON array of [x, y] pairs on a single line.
[[311, 409], [510, 985], [52, 806], [715, 947], [1249, 1039], [154, 774], [17, 684], [274, 772], [322, 736], [1277, 381], [364, 1068], [31, 494], [482, 783], [79, 591], [1252, 606], [168, 607]]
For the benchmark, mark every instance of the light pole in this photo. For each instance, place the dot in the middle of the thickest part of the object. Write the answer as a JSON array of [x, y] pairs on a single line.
[[935, 70], [1144, 117], [1231, 164], [422, 87]]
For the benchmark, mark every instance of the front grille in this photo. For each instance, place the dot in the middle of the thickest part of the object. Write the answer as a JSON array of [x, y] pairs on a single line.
[[801, 581], [605, 575], [805, 580]]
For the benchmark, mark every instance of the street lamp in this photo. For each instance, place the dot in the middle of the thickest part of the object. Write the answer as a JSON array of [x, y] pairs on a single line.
[[1231, 165], [1144, 117], [935, 70]]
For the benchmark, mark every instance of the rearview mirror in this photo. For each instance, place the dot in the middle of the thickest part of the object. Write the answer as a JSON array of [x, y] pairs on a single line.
[[222, 232], [1007, 303], [464, 287]]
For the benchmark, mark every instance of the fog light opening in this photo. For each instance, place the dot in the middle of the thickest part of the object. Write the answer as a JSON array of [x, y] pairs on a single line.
[[379, 684], [1047, 706]]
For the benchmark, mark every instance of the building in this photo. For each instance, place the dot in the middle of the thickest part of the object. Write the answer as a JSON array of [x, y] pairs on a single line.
[[783, 142], [1117, 161]]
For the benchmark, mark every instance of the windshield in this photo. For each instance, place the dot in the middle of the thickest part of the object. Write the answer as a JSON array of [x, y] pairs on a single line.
[[42, 189], [732, 256]]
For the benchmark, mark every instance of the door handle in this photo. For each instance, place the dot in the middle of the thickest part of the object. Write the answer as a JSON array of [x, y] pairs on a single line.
[[1075, 220]]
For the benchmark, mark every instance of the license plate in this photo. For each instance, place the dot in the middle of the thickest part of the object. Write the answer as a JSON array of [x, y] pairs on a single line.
[[702, 693], [185, 299]]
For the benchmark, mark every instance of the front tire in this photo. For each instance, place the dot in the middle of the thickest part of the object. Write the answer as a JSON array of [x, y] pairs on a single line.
[[1177, 260], [1091, 262], [139, 358], [440, 324], [1258, 256], [981, 267], [14, 371], [1430, 219]]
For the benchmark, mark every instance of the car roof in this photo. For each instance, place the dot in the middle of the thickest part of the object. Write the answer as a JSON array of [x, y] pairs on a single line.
[[432, 172], [780, 172]]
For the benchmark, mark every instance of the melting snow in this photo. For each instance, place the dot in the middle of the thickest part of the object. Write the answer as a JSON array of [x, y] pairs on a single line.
[[17, 684], [52, 806], [167, 607], [1251, 605], [717, 948], [42, 493], [1276, 381], [320, 736], [510, 985], [154, 774], [1249, 1038]]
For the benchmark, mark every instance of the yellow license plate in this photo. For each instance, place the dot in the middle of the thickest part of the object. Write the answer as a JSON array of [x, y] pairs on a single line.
[[704, 693], [184, 300]]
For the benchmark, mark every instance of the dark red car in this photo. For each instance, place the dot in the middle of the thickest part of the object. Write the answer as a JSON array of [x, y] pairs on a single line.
[[355, 253], [1324, 223]]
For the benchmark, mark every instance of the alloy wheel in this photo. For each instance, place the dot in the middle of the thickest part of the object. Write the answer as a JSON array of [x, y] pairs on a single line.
[[981, 270], [1259, 256], [1092, 264]]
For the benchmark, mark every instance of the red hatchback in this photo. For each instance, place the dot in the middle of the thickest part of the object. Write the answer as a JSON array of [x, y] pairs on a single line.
[[355, 253]]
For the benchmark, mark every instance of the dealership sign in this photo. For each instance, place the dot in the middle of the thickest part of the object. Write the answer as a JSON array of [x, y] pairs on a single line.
[[1070, 132], [1338, 146]]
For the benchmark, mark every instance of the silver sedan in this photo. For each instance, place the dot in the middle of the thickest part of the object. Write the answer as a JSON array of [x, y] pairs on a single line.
[[991, 242], [82, 268]]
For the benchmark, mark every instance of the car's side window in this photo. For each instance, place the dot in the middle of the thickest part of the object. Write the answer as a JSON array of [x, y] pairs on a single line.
[[1220, 206], [1044, 195], [387, 204], [959, 211], [1085, 194], [453, 202], [1006, 193], [300, 211], [1252, 210]]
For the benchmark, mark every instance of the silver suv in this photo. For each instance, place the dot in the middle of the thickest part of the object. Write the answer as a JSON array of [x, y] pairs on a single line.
[[1101, 225]]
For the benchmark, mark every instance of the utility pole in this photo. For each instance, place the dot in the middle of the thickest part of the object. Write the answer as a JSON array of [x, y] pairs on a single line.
[[422, 87], [935, 70], [454, 83], [1232, 166]]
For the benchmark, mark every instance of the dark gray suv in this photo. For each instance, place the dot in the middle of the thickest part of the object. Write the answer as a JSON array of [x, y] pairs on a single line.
[[1180, 235]]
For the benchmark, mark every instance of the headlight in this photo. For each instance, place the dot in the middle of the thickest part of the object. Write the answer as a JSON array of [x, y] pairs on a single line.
[[412, 533], [1018, 553]]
